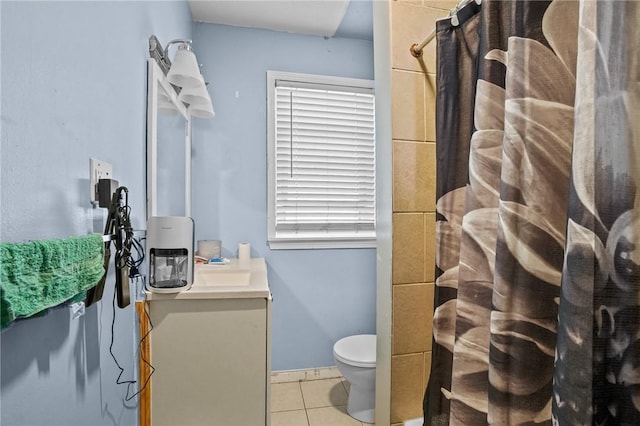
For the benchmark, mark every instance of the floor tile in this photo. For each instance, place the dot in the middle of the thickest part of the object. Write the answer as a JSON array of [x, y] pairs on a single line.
[[323, 393], [286, 397], [334, 416], [289, 418]]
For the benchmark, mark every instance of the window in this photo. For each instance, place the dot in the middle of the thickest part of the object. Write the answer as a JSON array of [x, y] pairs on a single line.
[[321, 161]]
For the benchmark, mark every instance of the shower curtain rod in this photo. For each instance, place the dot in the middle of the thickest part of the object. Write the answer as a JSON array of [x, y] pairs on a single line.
[[416, 48]]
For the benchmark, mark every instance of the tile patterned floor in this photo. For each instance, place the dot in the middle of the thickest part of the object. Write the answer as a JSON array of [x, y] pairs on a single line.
[[311, 403]]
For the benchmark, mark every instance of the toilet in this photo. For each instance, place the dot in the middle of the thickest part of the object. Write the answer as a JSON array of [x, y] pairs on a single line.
[[355, 358]]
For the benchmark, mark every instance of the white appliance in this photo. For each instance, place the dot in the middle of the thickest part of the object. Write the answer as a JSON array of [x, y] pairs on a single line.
[[170, 246]]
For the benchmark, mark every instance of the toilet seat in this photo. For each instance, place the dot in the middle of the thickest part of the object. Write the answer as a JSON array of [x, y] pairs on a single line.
[[358, 350]]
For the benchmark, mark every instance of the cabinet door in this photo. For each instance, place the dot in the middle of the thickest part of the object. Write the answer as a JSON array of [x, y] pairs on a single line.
[[210, 360]]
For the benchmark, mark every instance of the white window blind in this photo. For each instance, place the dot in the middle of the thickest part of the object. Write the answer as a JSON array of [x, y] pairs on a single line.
[[323, 171]]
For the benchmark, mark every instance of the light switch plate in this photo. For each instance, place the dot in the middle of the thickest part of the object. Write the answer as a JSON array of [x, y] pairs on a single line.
[[98, 169]]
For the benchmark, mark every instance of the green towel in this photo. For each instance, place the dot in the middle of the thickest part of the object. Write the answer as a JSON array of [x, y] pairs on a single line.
[[38, 275]]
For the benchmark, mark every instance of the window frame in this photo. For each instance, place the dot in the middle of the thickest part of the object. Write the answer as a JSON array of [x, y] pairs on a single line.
[[312, 242]]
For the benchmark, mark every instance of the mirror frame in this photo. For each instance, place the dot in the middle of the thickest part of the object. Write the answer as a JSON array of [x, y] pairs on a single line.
[[155, 80]]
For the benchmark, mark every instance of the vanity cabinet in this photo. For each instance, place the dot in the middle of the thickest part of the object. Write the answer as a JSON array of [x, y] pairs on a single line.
[[210, 348]]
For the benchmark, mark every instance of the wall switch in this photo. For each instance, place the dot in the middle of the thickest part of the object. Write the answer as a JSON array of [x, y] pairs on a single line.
[[98, 169]]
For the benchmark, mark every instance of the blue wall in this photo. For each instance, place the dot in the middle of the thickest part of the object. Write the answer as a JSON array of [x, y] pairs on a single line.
[[319, 295], [73, 86], [73, 79]]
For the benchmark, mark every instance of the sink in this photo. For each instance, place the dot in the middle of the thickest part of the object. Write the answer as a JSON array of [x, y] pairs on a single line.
[[221, 275], [230, 280]]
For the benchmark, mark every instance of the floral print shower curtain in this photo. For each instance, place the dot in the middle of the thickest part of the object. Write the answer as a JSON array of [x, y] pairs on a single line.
[[537, 317]]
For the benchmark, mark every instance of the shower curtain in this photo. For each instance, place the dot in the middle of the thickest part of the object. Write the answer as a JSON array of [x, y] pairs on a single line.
[[537, 317]]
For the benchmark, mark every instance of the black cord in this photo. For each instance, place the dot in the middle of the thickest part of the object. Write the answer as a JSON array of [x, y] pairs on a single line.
[[124, 257], [134, 262], [124, 239], [142, 339]]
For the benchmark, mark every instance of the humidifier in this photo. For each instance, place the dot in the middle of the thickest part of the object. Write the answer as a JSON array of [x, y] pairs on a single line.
[[170, 243]]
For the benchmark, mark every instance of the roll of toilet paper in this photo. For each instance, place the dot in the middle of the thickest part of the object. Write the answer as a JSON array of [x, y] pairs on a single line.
[[244, 254]]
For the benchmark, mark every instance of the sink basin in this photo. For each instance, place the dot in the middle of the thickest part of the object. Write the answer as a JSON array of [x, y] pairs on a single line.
[[231, 280], [221, 275]]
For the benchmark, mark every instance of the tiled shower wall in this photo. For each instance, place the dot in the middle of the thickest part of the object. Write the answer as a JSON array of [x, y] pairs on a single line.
[[414, 159]]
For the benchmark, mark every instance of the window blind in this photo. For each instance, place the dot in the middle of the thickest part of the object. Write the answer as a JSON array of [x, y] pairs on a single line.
[[324, 161]]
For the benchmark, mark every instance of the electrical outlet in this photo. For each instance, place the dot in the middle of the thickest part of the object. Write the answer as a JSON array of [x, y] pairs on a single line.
[[98, 169]]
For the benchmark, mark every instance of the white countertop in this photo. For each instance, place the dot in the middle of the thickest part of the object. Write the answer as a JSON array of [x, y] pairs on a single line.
[[258, 286]]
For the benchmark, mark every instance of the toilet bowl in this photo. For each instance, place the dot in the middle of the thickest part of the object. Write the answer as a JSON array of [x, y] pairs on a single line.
[[355, 358]]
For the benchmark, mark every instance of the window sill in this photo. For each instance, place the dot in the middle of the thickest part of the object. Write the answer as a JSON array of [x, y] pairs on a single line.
[[300, 244]]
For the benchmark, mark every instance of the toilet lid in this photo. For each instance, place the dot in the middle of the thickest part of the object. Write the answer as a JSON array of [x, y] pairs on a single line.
[[359, 351]]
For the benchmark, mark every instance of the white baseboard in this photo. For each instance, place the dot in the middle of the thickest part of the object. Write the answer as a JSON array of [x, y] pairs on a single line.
[[304, 375]]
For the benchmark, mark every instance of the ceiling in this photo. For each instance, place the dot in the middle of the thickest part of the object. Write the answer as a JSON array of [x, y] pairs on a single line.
[[327, 18]]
